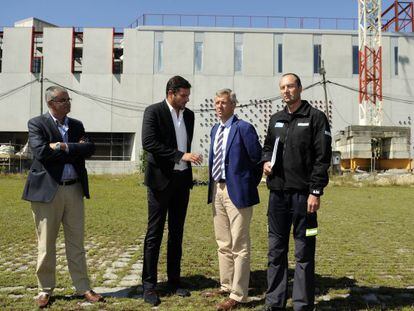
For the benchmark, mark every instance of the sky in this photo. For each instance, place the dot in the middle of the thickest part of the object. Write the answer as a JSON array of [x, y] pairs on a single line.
[[121, 13]]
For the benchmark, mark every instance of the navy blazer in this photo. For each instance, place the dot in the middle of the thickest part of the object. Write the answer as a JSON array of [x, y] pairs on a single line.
[[243, 172], [47, 167]]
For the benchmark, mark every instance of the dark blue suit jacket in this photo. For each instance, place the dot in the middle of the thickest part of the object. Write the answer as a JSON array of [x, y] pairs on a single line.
[[47, 167], [243, 173]]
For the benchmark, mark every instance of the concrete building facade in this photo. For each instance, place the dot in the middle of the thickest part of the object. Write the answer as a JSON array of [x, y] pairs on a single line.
[[110, 99]]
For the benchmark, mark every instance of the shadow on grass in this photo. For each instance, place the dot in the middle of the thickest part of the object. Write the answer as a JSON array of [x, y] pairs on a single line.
[[192, 283], [350, 296]]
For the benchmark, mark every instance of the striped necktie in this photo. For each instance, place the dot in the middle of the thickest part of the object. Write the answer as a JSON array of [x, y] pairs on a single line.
[[218, 155]]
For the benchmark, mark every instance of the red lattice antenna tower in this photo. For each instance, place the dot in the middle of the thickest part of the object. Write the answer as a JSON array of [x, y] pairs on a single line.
[[370, 62], [400, 14]]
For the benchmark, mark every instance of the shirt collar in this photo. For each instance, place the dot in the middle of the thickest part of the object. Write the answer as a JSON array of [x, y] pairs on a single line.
[[172, 108], [65, 120], [228, 123]]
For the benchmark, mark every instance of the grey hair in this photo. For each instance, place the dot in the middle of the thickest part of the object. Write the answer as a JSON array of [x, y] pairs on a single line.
[[228, 92], [51, 92]]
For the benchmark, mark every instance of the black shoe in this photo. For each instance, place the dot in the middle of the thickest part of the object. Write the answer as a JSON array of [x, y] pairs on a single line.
[[270, 308], [177, 288], [151, 297], [182, 292]]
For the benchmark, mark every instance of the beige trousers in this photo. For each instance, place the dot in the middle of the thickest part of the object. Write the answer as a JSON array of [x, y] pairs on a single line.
[[232, 232], [66, 208]]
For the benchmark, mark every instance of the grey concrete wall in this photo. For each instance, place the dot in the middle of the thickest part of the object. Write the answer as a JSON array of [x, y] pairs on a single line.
[[298, 53], [17, 47], [258, 54], [218, 53], [57, 50], [97, 50], [178, 53], [138, 52]]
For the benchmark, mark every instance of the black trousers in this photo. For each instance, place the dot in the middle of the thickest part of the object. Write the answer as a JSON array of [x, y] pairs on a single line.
[[285, 209], [172, 201]]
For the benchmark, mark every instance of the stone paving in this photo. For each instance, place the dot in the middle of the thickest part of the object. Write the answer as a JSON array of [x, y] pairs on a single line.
[[114, 271]]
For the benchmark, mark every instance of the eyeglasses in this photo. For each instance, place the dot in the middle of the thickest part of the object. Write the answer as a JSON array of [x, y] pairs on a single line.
[[64, 100]]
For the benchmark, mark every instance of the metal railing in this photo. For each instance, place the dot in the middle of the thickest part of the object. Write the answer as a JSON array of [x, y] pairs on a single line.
[[245, 21]]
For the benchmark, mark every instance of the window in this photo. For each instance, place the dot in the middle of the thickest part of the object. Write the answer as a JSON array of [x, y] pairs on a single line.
[[118, 53], [396, 60], [317, 59], [1, 49], [279, 58], [198, 51], [112, 146], [355, 59], [238, 52], [77, 52], [37, 50], [394, 57], [278, 54], [317, 53], [158, 52]]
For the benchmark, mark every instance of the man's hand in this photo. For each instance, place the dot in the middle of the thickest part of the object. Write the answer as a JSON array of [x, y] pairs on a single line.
[[267, 168], [63, 146], [193, 158], [83, 140], [313, 203]]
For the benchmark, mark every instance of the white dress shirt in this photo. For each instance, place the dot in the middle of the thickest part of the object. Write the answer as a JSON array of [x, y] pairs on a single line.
[[226, 132], [180, 134]]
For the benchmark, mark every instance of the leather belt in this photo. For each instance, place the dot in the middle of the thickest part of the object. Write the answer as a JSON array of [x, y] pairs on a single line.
[[221, 181], [69, 182]]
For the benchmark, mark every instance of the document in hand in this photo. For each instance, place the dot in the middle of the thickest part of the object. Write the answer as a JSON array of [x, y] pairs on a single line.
[[273, 160]]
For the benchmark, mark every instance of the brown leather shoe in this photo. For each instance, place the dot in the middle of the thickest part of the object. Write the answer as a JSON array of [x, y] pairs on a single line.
[[214, 293], [42, 300], [228, 304], [91, 296]]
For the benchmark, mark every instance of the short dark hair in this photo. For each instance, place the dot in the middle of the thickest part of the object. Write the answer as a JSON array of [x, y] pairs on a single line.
[[298, 82], [175, 83]]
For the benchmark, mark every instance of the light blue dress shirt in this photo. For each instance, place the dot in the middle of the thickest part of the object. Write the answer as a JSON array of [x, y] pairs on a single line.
[[69, 172]]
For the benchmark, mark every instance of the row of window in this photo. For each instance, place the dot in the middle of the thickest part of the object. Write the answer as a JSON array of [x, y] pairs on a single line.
[[278, 54], [117, 64], [77, 53]]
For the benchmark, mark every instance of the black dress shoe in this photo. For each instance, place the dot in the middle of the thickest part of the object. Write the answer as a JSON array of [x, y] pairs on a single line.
[[270, 308], [151, 297], [182, 292]]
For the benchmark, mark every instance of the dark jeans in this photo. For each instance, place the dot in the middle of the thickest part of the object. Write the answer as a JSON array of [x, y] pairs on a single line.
[[285, 209], [173, 200]]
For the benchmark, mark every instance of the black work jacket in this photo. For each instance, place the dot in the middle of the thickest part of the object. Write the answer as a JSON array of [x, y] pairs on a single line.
[[304, 150]]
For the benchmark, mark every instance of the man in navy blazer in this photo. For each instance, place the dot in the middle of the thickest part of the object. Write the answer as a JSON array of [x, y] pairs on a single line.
[[56, 184], [234, 175]]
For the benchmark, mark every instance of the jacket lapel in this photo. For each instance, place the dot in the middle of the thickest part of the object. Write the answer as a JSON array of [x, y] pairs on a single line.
[[188, 128], [52, 126], [213, 139], [170, 123], [232, 132]]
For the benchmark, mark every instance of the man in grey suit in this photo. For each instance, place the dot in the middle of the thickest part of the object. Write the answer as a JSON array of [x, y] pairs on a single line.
[[56, 185]]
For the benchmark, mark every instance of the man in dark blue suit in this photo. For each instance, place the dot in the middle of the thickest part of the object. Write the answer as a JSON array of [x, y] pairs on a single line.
[[234, 175]]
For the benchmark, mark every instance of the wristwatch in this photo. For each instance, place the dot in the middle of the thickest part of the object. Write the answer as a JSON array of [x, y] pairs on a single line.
[[57, 146]]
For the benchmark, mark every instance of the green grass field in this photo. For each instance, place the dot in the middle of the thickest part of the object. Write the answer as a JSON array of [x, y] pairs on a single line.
[[365, 249]]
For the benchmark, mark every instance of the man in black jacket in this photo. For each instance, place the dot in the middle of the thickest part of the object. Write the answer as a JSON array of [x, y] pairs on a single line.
[[167, 132], [56, 185], [296, 156]]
